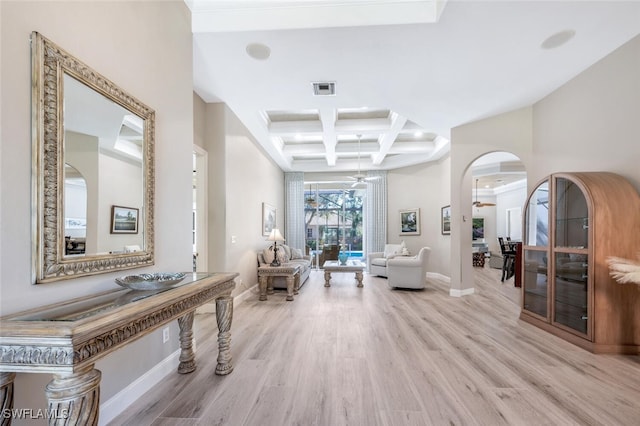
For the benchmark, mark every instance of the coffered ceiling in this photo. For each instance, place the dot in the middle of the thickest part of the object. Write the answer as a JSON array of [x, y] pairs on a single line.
[[403, 72]]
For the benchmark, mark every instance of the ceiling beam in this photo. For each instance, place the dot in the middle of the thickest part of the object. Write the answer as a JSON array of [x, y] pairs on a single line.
[[328, 117], [397, 123]]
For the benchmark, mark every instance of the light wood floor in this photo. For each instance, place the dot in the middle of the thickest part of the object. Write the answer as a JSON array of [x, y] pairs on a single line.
[[372, 356]]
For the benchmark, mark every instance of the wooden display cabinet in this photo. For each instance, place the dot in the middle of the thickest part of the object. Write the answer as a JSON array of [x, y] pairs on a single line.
[[573, 223]]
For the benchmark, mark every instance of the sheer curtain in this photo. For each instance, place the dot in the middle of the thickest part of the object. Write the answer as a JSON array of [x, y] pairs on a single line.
[[375, 212], [294, 209]]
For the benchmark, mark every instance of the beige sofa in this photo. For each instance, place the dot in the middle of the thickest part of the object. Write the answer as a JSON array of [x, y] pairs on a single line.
[[287, 255]]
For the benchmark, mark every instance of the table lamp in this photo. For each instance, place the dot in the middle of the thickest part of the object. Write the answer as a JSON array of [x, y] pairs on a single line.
[[275, 236]]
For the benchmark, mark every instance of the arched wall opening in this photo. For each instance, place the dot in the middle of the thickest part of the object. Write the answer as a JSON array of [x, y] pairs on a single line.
[[493, 190], [509, 132]]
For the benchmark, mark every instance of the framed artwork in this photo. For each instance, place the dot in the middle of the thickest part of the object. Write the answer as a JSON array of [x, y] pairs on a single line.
[[445, 220], [124, 220], [268, 218], [410, 222], [477, 226]]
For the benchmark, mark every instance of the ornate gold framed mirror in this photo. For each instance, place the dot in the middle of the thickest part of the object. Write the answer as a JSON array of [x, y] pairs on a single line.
[[93, 170]]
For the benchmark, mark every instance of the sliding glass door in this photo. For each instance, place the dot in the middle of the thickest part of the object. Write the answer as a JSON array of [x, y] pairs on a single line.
[[333, 218]]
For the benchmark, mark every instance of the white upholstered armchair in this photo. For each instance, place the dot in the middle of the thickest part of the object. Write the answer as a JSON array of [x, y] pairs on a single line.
[[408, 272]]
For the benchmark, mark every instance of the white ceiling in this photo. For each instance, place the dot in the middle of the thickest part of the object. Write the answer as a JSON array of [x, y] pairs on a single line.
[[406, 71]]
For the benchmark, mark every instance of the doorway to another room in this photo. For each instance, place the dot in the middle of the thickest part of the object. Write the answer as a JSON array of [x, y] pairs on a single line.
[[199, 211]]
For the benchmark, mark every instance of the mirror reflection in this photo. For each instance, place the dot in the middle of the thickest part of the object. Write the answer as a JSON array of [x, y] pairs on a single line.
[[93, 186], [103, 153]]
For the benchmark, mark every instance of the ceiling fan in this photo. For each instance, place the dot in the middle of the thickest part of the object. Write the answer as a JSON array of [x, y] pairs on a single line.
[[477, 203], [359, 177]]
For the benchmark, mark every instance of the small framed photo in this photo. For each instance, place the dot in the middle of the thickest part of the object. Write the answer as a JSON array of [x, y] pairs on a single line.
[[445, 220], [410, 222], [124, 220], [268, 218]]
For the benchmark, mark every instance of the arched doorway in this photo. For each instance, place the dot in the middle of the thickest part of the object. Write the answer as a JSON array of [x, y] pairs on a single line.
[[499, 191]]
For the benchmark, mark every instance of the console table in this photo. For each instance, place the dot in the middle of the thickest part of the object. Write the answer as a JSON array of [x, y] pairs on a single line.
[[67, 338]]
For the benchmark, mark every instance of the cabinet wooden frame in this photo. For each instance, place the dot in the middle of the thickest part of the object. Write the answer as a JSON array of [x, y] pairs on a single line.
[[613, 208]]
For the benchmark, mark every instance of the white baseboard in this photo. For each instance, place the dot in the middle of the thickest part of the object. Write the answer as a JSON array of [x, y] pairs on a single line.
[[110, 409], [245, 295], [454, 292], [439, 276], [210, 308]]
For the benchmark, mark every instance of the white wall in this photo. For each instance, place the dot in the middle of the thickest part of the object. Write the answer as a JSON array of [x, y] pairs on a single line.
[[588, 124], [592, 122], [509, 132], [241, 178], [512, 196], [145, 48], [427, 187]]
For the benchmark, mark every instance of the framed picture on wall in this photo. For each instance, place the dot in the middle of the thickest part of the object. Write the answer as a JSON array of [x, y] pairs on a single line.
[[477, 226], [124, 220], [268, 218], [410, 222], [445, 220]]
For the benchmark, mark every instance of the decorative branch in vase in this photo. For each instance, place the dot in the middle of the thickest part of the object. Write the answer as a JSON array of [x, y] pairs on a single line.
[[624, 271]]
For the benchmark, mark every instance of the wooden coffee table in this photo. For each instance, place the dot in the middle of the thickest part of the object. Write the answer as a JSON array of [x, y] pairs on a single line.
[[335, 266]]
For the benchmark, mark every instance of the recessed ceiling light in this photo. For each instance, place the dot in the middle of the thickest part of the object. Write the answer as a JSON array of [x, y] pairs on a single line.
[[418, 134], [558, 39], [258, 51]]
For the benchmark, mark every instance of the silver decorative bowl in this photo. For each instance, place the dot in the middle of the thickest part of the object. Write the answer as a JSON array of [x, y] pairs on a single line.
[[155, 281]]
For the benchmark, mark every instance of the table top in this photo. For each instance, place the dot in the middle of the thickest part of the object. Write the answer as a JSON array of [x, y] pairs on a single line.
[[90, 306], [65, 336], [352, 265], [285, 268]]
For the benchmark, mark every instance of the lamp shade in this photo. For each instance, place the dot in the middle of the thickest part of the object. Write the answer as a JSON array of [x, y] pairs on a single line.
[[275, 235]]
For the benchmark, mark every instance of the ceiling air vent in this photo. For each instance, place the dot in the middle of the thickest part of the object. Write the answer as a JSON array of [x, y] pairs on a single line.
[[324, 88]]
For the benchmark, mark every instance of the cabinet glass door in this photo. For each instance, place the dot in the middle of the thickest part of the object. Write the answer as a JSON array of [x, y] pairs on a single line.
[[572, 215], [537, 220], [535, 282], [535, 258], [571, 283]]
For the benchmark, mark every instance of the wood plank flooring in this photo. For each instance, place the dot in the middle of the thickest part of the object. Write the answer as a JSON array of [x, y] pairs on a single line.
[[374, 356]]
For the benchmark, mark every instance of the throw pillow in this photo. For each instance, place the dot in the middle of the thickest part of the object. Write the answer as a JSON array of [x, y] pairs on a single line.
[[392, 250], [296, 253], [267, 254], [285, 249], [282, 255]]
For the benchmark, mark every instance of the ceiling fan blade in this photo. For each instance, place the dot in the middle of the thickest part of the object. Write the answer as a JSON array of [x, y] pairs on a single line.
[[370, 178]]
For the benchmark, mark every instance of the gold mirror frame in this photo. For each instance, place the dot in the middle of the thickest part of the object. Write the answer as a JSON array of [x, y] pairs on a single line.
[[49, 64]]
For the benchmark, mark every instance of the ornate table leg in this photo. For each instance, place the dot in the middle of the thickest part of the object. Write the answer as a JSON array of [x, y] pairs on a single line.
[[224, 316], [187, 357], [270, 285], [74, 399], [6, 397], [262, 281], [327, 278], [290, 280], [359, 278]]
